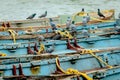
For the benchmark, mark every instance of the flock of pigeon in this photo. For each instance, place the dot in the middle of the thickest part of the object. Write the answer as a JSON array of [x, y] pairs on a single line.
[[41, 16], [45, 14]]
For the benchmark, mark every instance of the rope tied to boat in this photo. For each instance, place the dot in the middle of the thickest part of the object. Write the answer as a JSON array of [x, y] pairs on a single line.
[[65, 34], [84, 51], [2, 54], [3, 28], [42, 48], [31, 28], [13, 34], [72, 71]]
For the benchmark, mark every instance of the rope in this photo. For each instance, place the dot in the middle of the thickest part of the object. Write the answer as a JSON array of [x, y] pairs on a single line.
[[73, 71], [92, 53], [13, 33], [31, 28], [2, 54], [65, 34], [35, 69], [80, 14], [3, 28], [42, 48]]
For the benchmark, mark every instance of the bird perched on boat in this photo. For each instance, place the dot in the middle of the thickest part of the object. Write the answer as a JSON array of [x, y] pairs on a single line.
[[84, 21], [81, 12], [43, 15], [50, 49], [52, 24], [100, 14], [88, 17], [41, 38], [85, 33], [119, 15], [73, 28], [31, 16], [68, 23]]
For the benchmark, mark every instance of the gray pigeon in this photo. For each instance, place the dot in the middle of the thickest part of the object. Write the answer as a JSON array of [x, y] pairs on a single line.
[[43, 15], [31, 16], [50, 49]]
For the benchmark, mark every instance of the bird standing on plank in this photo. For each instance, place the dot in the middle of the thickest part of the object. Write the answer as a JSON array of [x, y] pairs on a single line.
[[43, 15], [31, 16], [100, 14], [52, 24], [119, 15], [88, 17], [68, 23]]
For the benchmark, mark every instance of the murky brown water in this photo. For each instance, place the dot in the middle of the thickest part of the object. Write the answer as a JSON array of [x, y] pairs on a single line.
[[20, 9]]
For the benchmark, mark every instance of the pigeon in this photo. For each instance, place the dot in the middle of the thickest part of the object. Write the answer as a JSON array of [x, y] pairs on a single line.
[[82, 10], [84, 21], [119, 15], [88, 17], [31, 16], [81, 13], [52, 24], [50, 49], [100, 14], [68, 22], [43, 15]]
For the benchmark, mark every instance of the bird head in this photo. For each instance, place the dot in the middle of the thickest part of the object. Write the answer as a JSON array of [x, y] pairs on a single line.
[[34, 14], [98, 9], [68, 18], [73, 22], [82, 9], [45, 12]]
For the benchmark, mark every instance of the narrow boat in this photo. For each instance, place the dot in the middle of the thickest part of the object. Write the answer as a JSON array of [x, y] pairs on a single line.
[[60, 21], [90, 58], [31, 33], [29, 44], [99, 64], [94, 15], [31, 47]]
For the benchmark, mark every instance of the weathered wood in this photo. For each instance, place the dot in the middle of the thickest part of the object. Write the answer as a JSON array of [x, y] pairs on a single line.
[[31, 36], [50, 35], [38, 23]]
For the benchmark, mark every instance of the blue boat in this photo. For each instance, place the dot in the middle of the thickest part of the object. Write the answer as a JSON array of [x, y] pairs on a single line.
[[103, 65], [25, 46], [86, 59]]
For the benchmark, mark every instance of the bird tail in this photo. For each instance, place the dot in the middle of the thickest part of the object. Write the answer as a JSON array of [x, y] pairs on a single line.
[[103, 16]]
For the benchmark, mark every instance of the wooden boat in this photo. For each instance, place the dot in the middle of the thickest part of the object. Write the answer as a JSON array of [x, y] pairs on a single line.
[[87, 58], [51, 67], [60, 21], [101, 28], [107, 13], [32, 46], [27, 42]]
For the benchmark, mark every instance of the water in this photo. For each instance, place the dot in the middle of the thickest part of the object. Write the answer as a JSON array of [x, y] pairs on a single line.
[[20, 9]]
